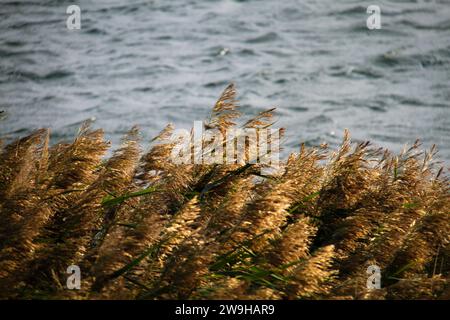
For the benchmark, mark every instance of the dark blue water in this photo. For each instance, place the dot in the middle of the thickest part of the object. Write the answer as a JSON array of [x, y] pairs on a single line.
[[154, 62]]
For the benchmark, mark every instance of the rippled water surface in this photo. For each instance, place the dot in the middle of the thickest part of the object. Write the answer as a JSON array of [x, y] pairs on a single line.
[[154, 62]]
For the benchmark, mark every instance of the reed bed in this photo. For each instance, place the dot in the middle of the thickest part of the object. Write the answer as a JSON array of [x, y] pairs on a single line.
[[141, 227]]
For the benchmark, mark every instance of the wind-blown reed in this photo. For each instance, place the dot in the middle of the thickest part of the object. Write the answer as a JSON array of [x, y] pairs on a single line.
[[142, 227]]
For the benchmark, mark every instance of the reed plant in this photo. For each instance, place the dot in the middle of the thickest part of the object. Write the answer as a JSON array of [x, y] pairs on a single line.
[[142, 227]]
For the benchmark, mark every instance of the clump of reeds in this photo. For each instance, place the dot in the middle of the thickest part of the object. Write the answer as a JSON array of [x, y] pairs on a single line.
[[140, 226]]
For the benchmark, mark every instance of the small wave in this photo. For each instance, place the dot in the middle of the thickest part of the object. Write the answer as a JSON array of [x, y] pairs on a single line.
[[425, 60], [281, 81], [13, 53], [20, 131], [392, 58], [442, 25], [298, 108], [96, 31], [267, 37], [247, 52], [412, 102], [320, 119], [377, 108], [14, 43], [56, 75], [440, 105], [143, 89], [217, 84], [26, 75], [385, 138], [19, 3], [27, 24], [349, 11], [278, 53], [431, 60], [350, 71], [389, 12]]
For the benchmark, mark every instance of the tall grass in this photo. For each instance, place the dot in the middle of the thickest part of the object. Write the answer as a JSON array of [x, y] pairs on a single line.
[[142, 227]]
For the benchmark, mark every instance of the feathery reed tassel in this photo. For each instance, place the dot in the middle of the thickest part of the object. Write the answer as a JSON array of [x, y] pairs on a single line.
[[224, 111], [210, 241], [398, 183], [180, 227], [346, 180], [77, 168], [17, 164], [181, 271], [418, 288], [148, 218], [269, 209], [22, 216], [312, 278], [74, 164], [114, 179], [293, 245], [422, 246]]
